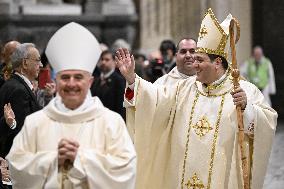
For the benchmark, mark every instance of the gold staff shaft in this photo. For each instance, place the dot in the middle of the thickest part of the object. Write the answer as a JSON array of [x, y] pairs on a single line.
[[236, 76]]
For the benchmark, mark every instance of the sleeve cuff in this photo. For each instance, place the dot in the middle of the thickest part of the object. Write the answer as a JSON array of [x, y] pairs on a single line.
[[129, 94], [77, 171], [14, 124], [131, 86], [249, 115]]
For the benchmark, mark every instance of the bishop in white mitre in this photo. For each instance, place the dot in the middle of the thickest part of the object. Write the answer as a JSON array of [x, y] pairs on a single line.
[[186, 135], [105, 157]]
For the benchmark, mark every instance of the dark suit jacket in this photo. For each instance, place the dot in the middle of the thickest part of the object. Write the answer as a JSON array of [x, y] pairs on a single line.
[[110, 92], [23, 102], [2, 81], [1, 184]]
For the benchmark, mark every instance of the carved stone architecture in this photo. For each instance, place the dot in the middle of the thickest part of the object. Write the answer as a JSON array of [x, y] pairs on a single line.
[[36, 20], [169, 19], [260, 20]]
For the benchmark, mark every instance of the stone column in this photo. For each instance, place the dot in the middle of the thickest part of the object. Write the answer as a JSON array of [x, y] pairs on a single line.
[[155, 21], [9, 7], [240, 9], [5, 7], [167, 19], [188, 18], [118, 7], [93, 7]]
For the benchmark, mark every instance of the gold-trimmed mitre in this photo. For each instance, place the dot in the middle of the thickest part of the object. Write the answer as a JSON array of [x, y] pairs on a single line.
[[213, 37]]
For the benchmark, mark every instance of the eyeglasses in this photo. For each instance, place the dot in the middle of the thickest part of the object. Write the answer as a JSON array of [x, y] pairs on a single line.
[[36, 60]]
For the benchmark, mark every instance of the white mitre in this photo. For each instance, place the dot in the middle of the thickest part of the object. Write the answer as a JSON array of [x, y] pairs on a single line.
[[73, 47], [214, 37]]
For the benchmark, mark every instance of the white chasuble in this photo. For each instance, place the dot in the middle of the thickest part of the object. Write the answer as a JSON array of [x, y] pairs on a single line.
[[186, 135], [106, 158], [171, 78]]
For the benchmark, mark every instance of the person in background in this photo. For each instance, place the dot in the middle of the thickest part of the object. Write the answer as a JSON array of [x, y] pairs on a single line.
[[184, 63], [259, 70], [120, 43], [18, 91], [5, 66], [109, 87], [168, 51], [140, 65]]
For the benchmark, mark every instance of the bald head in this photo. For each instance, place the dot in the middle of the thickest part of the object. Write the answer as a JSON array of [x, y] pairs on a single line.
[[8, 50], [257, 53]]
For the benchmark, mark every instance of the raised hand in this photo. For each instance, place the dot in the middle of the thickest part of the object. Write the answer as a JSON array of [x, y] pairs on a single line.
[[9, 114], [126, 64], [50, 89], [4, 170]]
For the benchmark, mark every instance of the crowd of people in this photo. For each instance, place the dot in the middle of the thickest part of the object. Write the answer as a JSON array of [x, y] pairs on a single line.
[[79, 114]]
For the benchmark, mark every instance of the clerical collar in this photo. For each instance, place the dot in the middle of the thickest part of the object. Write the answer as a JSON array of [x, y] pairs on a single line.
[[218, 82], [108, 74], [27, 81], [221, 79]]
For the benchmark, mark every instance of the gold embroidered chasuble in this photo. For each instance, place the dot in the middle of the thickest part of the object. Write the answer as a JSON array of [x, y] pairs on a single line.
[[186, 135]]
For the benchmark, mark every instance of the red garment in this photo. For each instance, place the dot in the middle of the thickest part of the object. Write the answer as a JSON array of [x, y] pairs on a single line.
[[129, 94]]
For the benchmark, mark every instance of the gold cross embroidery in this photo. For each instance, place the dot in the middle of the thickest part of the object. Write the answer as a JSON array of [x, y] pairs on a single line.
[[194, 183], [202, 127], [203, 31]]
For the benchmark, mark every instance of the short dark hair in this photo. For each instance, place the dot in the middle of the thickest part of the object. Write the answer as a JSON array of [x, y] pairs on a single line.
[[167, 44], [224, 61], [108, 52], [138, 55], [187, 39]]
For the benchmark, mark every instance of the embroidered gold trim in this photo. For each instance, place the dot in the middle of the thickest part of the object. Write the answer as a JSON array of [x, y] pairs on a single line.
[[212, 95], [224, 39], [195, 183], [203, 31], [187, 138], [211, 51], [218, 85], [172, 115], [202, 127], [214, 140], [215, 20]]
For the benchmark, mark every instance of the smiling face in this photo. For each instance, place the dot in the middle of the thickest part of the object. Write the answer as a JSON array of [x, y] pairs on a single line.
[[207, 71], [185, 56], [73, 86]]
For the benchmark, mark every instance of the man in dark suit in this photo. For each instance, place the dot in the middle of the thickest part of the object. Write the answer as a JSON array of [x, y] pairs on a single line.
[[18, 92], [109, 87]]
